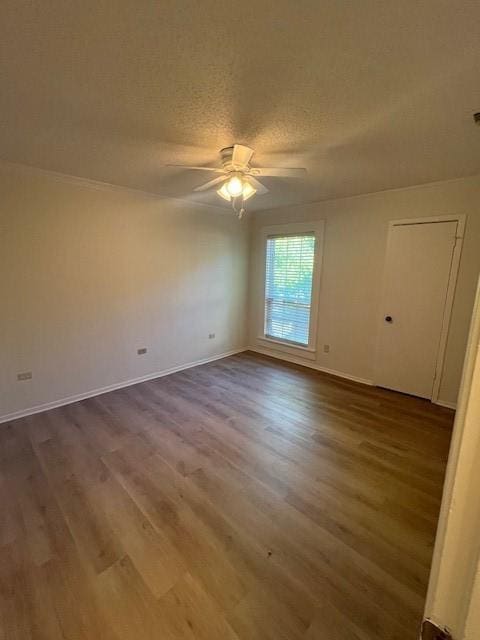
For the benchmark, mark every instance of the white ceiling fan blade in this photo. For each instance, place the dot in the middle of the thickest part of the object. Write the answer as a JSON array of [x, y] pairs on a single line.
[[258, 186], [211, 183], [241, 155], [279, 172], [186, 166]]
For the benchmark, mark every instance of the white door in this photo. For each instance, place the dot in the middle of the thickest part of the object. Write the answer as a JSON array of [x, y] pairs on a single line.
[[417, 272]]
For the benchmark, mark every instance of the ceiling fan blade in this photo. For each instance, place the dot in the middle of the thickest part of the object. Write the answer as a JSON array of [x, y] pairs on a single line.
[[279, 172], [241, 155], [211, 183], [258, 186], [186, 166]]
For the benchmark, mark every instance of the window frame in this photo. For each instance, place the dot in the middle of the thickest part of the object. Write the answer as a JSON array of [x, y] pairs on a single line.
[[291, 229]]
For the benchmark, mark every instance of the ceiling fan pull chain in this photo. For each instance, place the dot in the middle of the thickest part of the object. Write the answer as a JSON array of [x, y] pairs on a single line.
[[239, 212]]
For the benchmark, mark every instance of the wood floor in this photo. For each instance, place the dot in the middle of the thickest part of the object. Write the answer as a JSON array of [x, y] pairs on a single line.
[[246, 499]]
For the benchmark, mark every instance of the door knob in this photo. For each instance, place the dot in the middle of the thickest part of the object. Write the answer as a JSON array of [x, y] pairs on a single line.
[[388, 319]]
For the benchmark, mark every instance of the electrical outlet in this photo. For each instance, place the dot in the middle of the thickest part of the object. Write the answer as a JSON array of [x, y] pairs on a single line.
[[26, 375], [211, 336], [142, 351], [326, 348]]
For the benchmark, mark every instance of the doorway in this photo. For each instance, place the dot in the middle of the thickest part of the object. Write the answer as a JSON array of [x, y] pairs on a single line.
[[420, 274]]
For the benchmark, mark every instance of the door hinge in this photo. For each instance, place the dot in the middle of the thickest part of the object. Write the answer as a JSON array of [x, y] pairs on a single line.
[[430, 631]]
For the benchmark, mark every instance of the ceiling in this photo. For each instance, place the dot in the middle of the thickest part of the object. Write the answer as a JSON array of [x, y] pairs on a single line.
[[367, 95]]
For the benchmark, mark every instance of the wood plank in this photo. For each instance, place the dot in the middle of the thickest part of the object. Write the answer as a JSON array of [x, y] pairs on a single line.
[[245, 499]]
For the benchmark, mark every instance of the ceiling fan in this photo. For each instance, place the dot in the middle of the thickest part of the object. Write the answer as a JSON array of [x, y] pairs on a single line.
[[239, 178]]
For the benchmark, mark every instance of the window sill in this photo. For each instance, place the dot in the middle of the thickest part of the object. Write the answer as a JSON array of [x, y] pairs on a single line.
[[297, 350]]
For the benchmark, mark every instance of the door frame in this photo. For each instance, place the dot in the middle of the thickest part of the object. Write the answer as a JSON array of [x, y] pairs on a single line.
[[454, 584], [460, 219]]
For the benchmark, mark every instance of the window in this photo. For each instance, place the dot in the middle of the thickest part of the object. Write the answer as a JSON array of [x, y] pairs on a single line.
[[288, 287]]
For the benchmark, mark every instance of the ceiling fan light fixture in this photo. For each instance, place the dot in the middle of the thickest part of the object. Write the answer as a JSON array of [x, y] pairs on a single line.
[[247, 191], [223, 193], [234, 186]]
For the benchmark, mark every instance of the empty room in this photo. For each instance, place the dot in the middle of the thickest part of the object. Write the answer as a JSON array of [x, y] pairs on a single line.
[[239, 321]]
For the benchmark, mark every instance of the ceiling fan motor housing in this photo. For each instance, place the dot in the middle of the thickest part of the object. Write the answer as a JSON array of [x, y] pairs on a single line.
[[226, 157]]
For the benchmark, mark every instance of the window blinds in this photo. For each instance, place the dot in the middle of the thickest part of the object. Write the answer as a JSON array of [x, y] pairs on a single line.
[[288, 287]]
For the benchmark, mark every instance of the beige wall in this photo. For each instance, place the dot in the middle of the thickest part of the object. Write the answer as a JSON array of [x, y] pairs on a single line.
[[354, 250], [88, 275]]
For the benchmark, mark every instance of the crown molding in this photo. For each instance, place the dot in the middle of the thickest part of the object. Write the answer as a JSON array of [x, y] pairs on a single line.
[[368, 194], [98, 185]]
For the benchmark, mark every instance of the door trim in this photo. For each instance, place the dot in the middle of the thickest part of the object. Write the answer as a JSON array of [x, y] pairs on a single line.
[[452, 598], [460, 219]]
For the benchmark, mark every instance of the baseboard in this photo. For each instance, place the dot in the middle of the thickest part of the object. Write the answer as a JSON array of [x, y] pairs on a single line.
[[444, 403], [309, 364], [112, 387], [160, 374], [433, 631]]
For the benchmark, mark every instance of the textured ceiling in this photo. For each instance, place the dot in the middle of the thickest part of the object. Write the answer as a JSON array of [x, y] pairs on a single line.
[[367, 95]]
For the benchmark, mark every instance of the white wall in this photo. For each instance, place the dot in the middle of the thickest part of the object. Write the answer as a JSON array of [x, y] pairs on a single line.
[[88, 275], [354, 251]]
